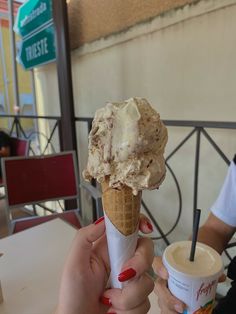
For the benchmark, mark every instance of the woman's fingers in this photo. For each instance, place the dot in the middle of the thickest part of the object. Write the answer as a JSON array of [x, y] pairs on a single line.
[[167, 302], [83, 244], [137, 290], [132, 295], [159, 268], [142, 259], [141, 309], [145, 225]]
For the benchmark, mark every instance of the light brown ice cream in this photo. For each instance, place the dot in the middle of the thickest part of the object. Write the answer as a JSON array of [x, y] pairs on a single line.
[[206, 262], [126, 145]]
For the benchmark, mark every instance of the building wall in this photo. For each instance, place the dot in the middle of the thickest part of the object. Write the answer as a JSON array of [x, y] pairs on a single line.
[[90, 21], [24, 77], [184, 63]]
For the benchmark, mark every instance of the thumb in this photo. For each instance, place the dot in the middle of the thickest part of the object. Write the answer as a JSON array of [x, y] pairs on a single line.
[[83, 243], [159, 268]]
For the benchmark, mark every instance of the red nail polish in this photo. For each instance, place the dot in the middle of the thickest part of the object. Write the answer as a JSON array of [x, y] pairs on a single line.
[[149, 225], [105, 301], [127, 274], [99, 220]]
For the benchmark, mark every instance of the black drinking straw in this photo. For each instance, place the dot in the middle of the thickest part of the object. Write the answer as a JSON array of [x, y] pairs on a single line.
[[197, 215]]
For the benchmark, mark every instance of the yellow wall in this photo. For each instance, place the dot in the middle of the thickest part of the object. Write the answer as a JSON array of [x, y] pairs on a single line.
[[24, 77]]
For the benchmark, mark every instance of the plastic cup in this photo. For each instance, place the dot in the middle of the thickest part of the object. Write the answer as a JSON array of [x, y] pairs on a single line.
[[195, 282]]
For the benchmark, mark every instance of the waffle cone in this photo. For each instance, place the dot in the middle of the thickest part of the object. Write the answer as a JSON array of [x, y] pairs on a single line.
[[121, 207]]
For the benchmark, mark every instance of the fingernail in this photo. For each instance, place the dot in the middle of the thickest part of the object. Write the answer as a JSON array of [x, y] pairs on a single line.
[[105, 301], [99, 220], [149, 225], [179, 308], [127, 274]]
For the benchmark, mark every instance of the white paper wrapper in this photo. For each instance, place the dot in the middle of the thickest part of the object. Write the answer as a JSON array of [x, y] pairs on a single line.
[[120, 248]]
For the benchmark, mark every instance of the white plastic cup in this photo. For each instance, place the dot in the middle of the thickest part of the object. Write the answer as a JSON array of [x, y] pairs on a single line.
[[195, 282]]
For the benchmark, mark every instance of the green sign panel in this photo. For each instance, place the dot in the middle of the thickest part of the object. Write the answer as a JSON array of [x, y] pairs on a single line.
[[32, 15], [35, 24], [38, 49]]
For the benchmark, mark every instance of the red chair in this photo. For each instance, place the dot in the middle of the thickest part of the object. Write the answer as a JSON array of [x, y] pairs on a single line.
[[34, 180], [19, 147], [70, 216]]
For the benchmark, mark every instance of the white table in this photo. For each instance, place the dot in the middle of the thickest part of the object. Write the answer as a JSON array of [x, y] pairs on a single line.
[[31, 266]]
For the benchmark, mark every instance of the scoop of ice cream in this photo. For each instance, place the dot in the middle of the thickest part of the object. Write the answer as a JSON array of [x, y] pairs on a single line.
[[126, 144]]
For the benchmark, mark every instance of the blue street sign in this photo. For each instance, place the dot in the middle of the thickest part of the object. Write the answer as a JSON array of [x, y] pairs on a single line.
[[32, 15], [38, 49]]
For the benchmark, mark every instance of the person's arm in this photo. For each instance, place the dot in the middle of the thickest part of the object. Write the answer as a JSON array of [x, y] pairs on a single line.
[[215, 233]]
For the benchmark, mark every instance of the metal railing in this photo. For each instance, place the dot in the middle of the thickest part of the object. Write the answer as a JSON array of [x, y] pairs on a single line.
[[197, 128], [17, 129]]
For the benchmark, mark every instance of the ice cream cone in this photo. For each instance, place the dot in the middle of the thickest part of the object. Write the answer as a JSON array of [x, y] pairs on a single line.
[[126, 147], [122, 207]]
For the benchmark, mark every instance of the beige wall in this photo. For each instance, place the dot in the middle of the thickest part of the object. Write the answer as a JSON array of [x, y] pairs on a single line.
[[184, 63]]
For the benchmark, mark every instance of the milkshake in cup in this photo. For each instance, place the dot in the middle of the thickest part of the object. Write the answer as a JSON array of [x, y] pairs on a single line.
[[194, 282]]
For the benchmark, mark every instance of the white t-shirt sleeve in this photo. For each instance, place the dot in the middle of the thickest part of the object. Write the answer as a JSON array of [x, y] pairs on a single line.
[[224, 207]]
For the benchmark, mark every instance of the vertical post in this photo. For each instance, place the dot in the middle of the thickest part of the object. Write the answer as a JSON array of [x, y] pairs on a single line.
[[64, 75], [33, 91], [35, 113], [13, 53], [5, 78], [63, 59]]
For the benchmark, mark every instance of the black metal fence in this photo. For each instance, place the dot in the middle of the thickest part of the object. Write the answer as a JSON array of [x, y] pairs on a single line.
[[198, 129]]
